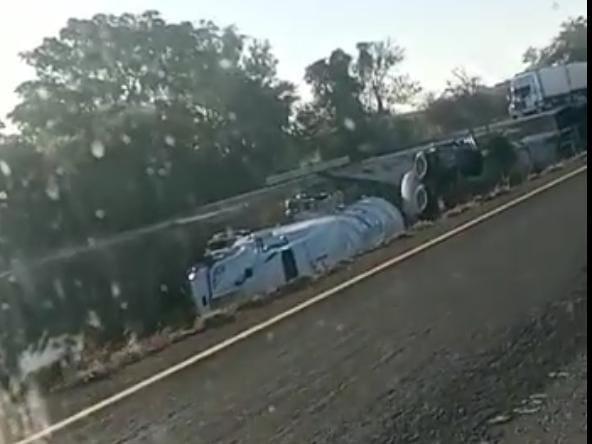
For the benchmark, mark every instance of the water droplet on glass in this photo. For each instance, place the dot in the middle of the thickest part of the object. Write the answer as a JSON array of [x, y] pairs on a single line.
[[105, 34], [123, 305], [115, 290], [164, 288], [43, 93], [161, 74], [59, 289], [232, 116], [5, 168], [52, 189], [93, 319], [100, 214], [150, 171], [169, 140], [271, 409], [50, 124], [225, 64], [3, 195], [5, 306], [97, 149], [270, 336], [126, 139], [349, 124], [161, 172], [365, 147]]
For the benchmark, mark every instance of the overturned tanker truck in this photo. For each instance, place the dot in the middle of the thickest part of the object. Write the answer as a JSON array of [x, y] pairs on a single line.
[[261, 262], [266, 260]]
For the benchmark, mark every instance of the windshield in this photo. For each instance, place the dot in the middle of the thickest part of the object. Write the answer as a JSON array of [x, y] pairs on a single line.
[[522, 91], [292, 222], [522, 86]]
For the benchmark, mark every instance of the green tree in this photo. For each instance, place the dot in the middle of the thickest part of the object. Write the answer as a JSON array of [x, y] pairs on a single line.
[[352, 111], [377, 70], [334, 87], [335, 118], [29, 210], [569, 45], [465, 103], [138, 119]]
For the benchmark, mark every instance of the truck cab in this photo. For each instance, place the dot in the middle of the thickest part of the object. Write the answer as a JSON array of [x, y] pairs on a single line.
[[525, 95], [548, 87]]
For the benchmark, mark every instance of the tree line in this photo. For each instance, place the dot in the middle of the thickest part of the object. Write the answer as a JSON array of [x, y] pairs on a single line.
[[131, 119]]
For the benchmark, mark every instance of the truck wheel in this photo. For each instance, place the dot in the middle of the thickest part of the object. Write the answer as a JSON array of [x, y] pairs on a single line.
[[421, 198], [421, 165]]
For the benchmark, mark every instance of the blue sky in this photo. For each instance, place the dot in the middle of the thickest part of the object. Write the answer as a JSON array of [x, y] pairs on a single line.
[[487, 38]]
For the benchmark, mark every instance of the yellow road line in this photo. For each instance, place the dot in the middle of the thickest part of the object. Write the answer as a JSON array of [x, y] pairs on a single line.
[[290, 312]]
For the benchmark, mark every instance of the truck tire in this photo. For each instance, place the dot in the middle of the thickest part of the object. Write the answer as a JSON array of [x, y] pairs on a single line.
[[422, 199], [415, 198], [421, 165]]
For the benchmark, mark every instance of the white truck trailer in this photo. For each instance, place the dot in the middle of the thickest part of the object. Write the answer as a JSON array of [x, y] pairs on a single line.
[[537, 90]]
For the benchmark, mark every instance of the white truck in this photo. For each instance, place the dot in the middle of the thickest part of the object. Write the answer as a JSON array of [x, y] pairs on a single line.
[[534, 91]]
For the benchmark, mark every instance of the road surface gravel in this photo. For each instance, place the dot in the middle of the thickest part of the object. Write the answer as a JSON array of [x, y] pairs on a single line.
[[560, 415]]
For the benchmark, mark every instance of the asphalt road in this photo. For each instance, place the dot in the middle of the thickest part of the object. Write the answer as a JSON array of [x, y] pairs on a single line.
[[559, 414], [424, 352]]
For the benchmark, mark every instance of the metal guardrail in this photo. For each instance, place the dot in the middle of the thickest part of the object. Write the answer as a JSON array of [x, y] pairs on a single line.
[[307, 170]]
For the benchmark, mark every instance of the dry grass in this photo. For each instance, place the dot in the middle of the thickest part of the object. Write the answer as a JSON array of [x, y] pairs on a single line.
[[422, 225], [462, 208]]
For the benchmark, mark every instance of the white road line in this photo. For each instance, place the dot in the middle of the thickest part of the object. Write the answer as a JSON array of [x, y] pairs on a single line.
[[290, 312]]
